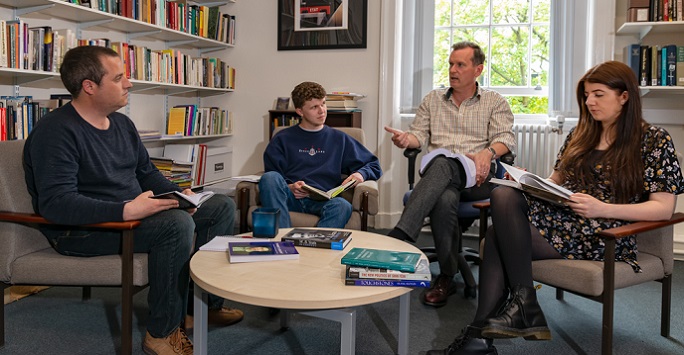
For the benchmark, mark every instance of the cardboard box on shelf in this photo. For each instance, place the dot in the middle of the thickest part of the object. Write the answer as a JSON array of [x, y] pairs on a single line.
[[219, 160]]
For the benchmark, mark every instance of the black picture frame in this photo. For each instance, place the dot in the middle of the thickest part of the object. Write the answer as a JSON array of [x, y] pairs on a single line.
[[331, 26]]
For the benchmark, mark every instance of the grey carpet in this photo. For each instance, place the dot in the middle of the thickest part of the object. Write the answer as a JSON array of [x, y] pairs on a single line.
[[56, 321]]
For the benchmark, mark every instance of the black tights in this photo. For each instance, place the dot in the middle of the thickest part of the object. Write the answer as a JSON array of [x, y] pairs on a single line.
[[512, 233]]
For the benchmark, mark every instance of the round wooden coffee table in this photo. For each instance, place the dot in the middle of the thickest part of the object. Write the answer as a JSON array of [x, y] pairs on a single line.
[[312, 285]]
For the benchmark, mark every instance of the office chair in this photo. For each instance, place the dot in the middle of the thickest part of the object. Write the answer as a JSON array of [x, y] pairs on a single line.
[[468, 213]]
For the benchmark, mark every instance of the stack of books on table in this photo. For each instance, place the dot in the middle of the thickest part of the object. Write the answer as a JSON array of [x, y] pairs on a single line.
[[376, 267]]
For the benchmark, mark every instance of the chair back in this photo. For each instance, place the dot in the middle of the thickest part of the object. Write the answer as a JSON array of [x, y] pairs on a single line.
[[16, 239]]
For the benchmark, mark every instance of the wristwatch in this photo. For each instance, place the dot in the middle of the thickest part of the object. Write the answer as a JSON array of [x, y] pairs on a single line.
[[491, 150]]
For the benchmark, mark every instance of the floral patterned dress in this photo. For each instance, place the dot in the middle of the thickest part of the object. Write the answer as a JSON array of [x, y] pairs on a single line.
[[574, 236]]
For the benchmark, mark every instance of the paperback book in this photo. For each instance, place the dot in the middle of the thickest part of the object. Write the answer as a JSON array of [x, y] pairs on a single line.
[[379, 258], [319, 238], [321, 195], [187, 201], [535, 186], [243, 252], [422, 273], [387, 283], [468, 164]]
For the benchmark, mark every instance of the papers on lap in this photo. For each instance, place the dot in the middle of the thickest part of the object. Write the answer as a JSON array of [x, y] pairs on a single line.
[[468, 164], [535, 186], [321, 195], [187, 201]]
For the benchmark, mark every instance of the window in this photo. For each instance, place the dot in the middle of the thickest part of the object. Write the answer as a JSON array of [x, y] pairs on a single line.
[[515, 36]]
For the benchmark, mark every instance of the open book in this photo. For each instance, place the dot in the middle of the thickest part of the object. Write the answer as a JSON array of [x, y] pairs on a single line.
[[468, 164], [185, 201], [320, 195], [535, 186]]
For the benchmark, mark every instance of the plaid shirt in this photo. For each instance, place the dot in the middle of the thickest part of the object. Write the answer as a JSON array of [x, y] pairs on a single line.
[[480, 121]]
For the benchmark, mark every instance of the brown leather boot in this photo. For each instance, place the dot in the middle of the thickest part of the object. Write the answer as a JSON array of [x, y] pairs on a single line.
[[439, 292], [522, 317], [177, 343]]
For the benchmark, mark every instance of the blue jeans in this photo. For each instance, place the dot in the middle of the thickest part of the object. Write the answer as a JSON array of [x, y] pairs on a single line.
[[274, 193], [168, 239]]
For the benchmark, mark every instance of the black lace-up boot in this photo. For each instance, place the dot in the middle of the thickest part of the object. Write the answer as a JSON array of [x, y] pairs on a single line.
[[470, 342], [522, 317]]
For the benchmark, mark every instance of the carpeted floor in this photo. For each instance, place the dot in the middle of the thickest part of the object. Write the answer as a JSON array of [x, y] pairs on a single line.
[[56, 321]]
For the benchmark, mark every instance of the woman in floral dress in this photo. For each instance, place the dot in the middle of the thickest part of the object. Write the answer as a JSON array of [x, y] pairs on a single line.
[[621, 169]]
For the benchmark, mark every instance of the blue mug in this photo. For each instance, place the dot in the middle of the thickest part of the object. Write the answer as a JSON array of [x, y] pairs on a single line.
[[265, 222]]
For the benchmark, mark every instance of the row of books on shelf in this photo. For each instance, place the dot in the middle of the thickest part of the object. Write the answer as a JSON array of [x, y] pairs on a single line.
[[285, 119], [173, 67], [191, 120], [656, 65], [655, 10], [19, 114], [42, 48], [199, 20], [183, 164]]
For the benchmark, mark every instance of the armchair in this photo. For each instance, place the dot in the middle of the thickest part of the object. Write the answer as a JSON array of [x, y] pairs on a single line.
[[596, 280], [363, 197], [26, 257]]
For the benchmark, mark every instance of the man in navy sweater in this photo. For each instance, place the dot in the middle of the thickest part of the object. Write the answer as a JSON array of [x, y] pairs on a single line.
[[84, 163], [314, 154]]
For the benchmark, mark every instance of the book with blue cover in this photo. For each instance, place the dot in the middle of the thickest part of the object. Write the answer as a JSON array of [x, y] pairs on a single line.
[[387, 283], [241, 252], [379, 258], [319, 238]]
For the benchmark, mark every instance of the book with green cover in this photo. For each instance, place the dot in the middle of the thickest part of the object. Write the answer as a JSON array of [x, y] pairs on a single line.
[[320, 195], [379, 258]]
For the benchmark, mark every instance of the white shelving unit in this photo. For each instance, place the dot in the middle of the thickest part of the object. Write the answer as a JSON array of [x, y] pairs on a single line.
[[82, 18]]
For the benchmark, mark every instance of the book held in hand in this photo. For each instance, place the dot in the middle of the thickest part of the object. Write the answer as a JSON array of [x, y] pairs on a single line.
[[422, 273], [186, 201], [468, 164], [535, 186], [242, 252], [321, 195], [379, 258], [319, 238]]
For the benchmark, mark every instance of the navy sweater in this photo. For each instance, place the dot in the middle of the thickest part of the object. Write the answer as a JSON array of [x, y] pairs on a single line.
[[78, 174], [319, 158]]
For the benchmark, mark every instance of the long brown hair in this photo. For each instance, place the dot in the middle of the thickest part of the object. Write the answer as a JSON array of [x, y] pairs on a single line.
[[623, 156]]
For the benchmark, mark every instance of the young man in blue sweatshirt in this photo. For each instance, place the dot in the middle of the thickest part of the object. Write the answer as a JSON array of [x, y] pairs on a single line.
[[314, 154]]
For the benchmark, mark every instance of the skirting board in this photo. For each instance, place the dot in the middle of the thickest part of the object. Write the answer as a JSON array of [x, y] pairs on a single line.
[[679, 250]]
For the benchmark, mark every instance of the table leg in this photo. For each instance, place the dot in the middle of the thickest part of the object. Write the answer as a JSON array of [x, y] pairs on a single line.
[[403, 336], [284, 318], [347, 317], [199, 332]]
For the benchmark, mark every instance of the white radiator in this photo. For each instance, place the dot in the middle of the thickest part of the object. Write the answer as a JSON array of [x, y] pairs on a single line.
[[537, 147]]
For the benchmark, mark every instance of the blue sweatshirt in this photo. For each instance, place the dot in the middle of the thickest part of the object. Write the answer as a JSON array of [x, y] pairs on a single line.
[[78, 174], [319, 158]]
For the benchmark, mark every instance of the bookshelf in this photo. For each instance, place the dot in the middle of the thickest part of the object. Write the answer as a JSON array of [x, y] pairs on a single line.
[[658, 29], [334, 119], [155, 97]]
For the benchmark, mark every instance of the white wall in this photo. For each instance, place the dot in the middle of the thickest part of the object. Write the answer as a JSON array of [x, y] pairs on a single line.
[[264, 73]]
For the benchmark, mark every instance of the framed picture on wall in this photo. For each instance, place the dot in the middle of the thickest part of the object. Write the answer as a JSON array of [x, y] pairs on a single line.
[[322, 24]]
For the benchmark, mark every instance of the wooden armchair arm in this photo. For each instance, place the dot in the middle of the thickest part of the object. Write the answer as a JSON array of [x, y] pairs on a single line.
[[37, 219], [640, 227]]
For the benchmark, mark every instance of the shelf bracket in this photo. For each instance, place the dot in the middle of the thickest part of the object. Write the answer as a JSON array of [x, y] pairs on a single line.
[[215, 3], [180, 43], [145, 88], [84, 25], [644, 32], [28, 10], [28, 80], [143, 34], [210, 49]]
